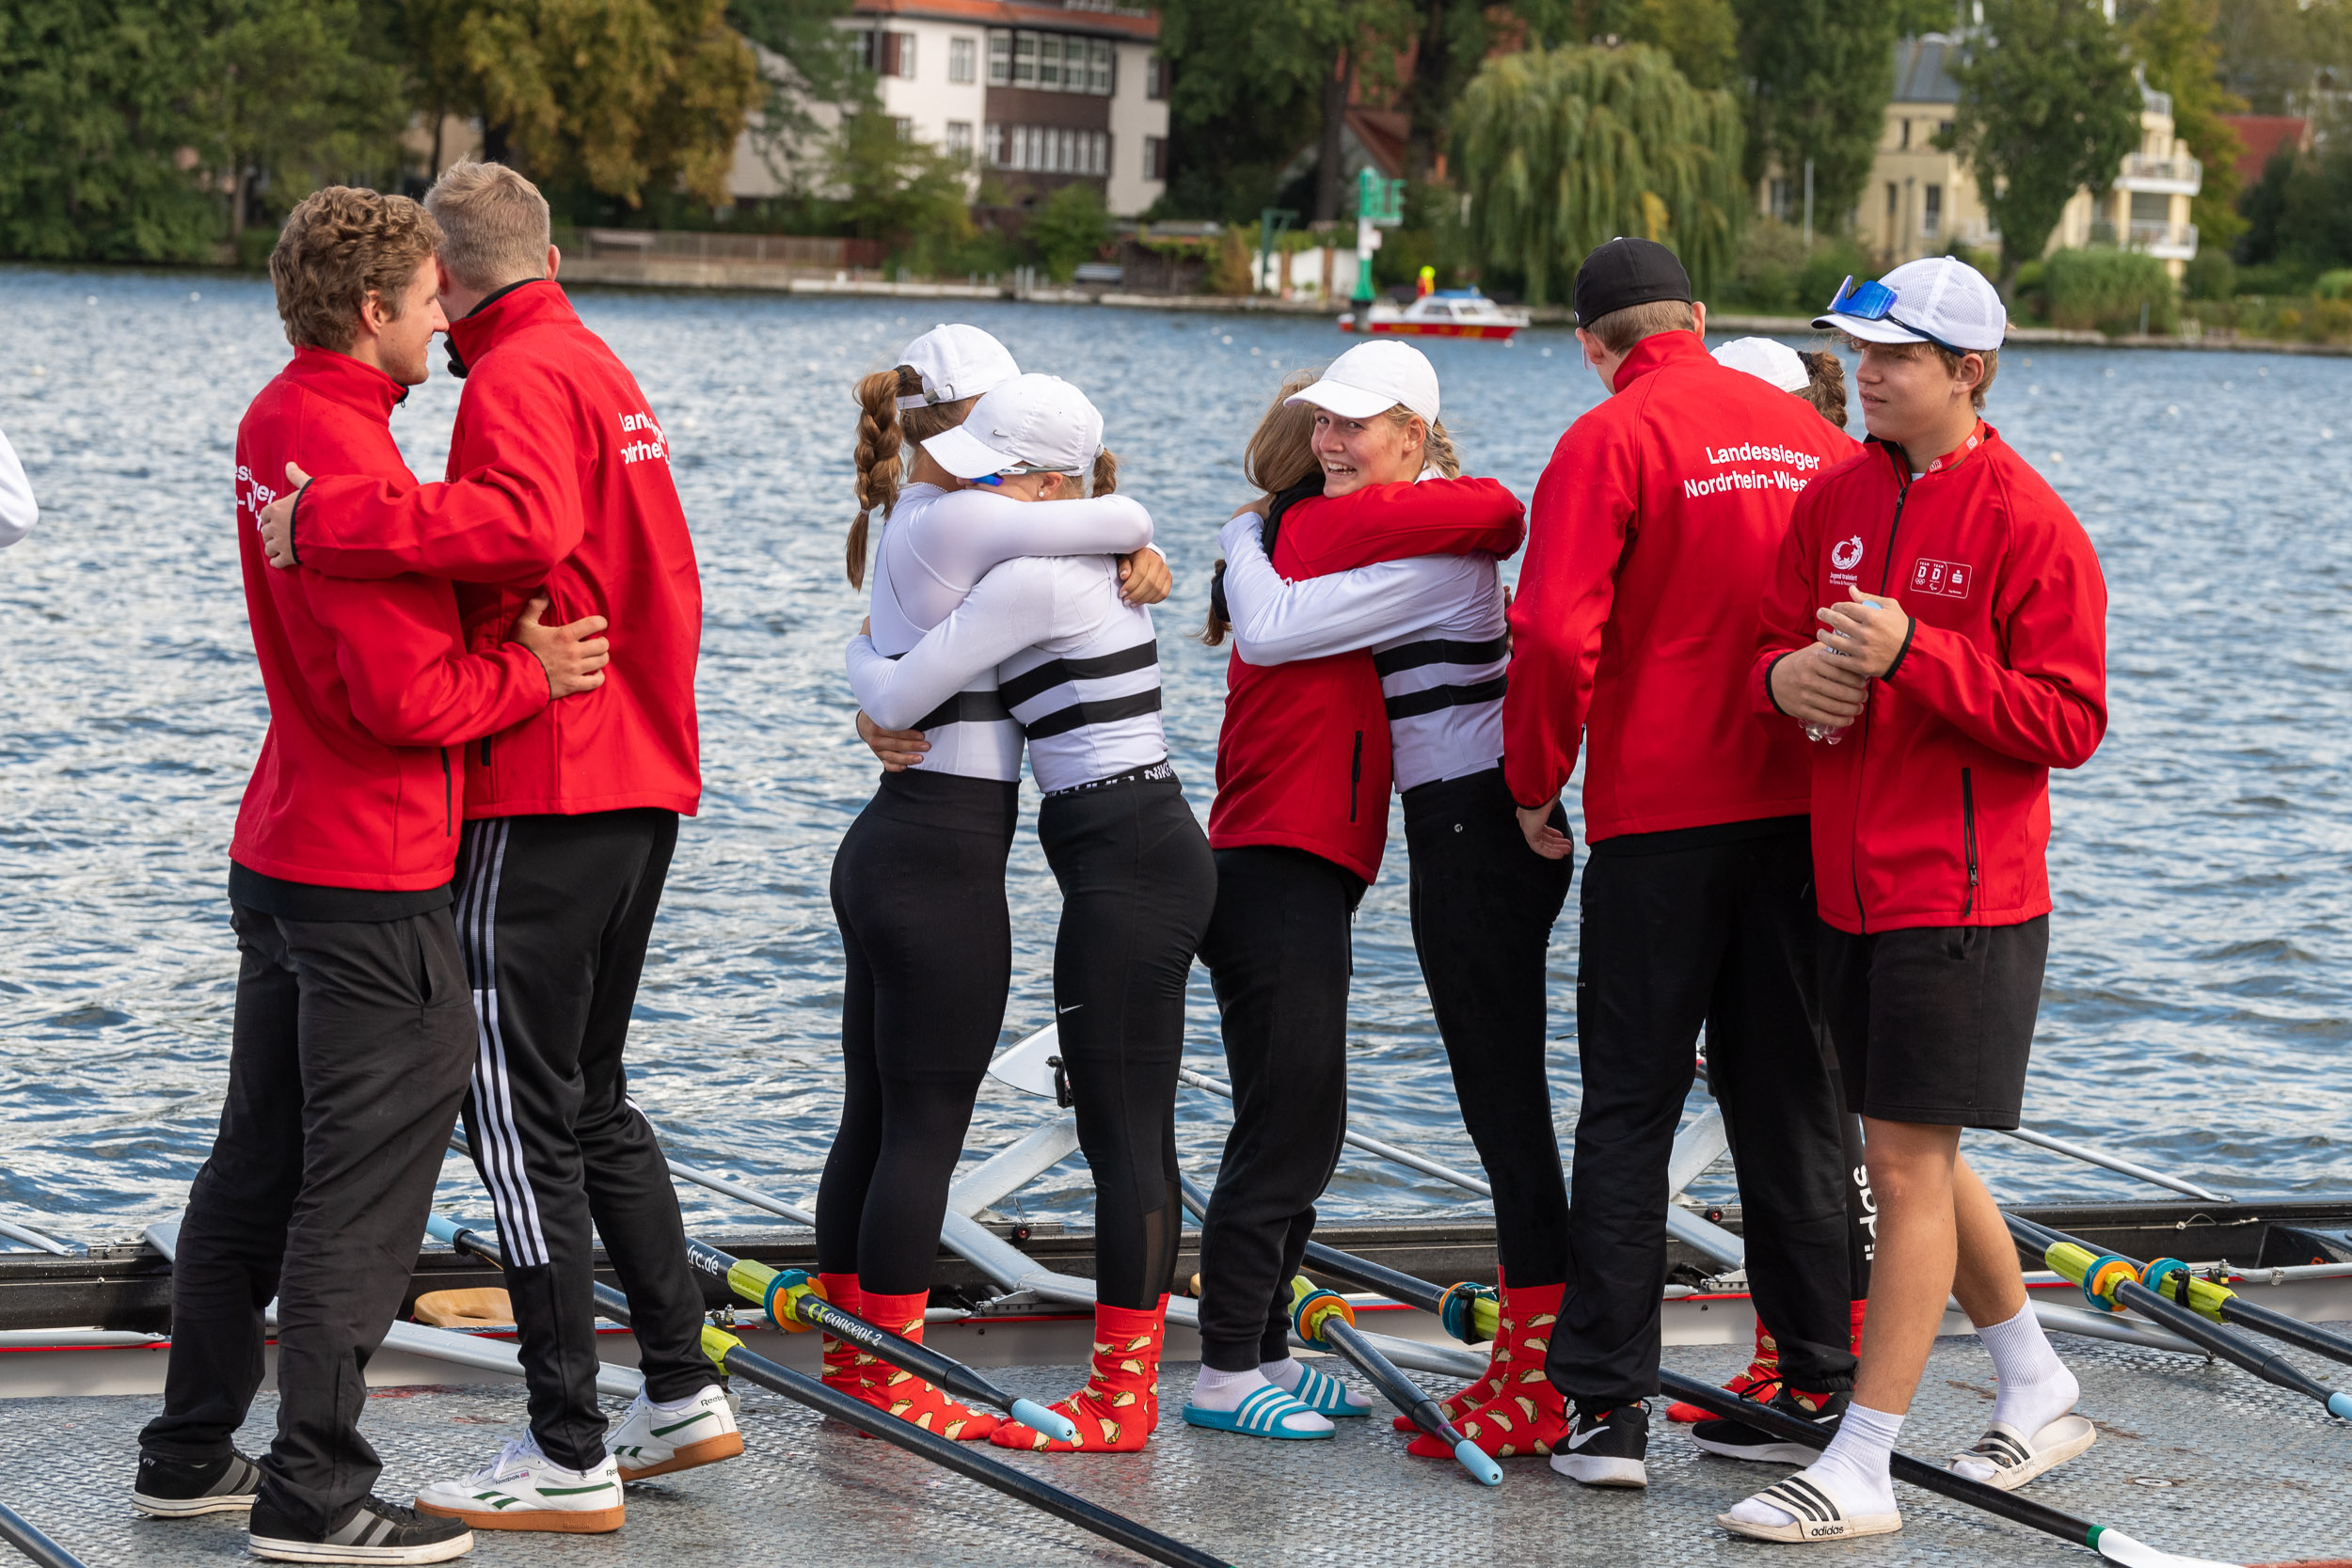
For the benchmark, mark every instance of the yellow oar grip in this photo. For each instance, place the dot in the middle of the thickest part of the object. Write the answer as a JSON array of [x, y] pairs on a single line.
[[750, 1280], [1487, 1315], [717, 1344], [1312, 1306]]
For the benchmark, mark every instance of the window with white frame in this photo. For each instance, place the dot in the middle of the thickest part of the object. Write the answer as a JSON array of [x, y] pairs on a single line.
[[1155, 157], [904, 125], [1048, 150], [886, 54], [1051, 62], [962, 58], [1000, 59], [960, 137], [1155, 77]]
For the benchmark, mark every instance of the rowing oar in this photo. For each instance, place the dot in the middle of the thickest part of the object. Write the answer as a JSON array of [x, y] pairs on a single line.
[[2113, 1282], [2107, 1541], [791, 1301], [20, 1532], [734, 1357], [2209, 1298], [1470, 1312], [1326, 1322]]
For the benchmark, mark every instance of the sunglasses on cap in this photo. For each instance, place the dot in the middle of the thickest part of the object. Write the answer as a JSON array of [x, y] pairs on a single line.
[[1875, 301], [1021, 469]]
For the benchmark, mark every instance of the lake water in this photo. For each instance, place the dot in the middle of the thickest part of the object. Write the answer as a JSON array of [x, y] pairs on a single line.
[[2200, 993]]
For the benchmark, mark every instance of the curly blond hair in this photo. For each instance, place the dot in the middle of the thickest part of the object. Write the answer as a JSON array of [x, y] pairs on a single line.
[[340, 245]]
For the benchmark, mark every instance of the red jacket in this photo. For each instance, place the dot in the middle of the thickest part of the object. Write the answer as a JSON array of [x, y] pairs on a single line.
[[559, 481], [1303, 759], [1652, 531], [369, 683], [1934, 808]]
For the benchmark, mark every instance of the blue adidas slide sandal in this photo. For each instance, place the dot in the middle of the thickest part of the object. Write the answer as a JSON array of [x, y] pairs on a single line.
[[1325, 1395], [1262, 1415]]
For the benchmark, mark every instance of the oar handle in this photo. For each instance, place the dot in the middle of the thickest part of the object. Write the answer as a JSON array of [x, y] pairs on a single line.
[[783, 1296]]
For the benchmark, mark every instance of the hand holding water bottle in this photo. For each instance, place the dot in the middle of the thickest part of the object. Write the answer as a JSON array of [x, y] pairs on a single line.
[[1819, 688]]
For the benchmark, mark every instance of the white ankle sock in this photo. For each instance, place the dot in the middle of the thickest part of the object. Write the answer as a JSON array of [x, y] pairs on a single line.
[[1852, 1469], [1284, 1374], [1217, 1391], [2036, 1387]]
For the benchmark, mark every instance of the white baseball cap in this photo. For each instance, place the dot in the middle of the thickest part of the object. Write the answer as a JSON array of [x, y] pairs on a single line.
[[1775, 362], [1030, 424], [1372, 378], [955, 362], [1938, 299]]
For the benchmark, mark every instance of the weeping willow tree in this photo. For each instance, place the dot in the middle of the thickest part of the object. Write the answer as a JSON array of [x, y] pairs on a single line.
[[1562, 149]]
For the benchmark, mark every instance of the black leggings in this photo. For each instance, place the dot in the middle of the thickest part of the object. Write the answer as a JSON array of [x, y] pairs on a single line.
[[1276, 950], [918, 889], [1136, 886], [1484, 905]]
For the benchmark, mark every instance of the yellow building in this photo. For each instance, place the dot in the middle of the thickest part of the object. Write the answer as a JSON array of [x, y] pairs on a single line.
[[1922, 200]]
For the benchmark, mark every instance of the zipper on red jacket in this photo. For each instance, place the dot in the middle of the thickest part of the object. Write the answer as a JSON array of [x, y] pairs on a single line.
[[1862, 756], [1355, 776], [486, 751], [1968, 837], [446, 804]]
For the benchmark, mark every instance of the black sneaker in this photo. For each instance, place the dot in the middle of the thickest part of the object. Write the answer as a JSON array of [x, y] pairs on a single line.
[[1605, 1445], [379, 1532], [1738, 1440], [181, 1489]]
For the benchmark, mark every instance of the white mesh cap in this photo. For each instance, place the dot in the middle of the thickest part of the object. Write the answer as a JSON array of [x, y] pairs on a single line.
[[955, 362], [1772, 361], [1939, 298]]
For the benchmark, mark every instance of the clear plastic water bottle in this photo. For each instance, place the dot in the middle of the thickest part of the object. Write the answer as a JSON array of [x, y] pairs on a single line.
[[1830, 733]]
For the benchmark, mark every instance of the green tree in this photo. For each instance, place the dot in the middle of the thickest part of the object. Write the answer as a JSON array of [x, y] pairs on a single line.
[[2174, 39], [804, 60], [292, 94], [2048, 105], [2274, 52], [97, 108], [1562, 149], [1069, 226], [896, 187], [618, 96], [1822, 72]]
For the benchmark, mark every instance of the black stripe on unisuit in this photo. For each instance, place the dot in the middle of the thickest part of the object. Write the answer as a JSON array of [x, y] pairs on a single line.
[[1108, 711], [1409, 704], [965, 708], [1054, 672], [1435, 650]]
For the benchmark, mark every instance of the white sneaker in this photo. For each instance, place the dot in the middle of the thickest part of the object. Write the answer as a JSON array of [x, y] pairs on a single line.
[[655, 1439], [524, 1489]]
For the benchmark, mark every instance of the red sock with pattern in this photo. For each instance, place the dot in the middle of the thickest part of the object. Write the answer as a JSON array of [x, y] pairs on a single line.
[[901, 1393], [1119, 1408]]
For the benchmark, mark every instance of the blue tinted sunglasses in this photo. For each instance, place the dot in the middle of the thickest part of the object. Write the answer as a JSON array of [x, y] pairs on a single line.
[[1875, 301]]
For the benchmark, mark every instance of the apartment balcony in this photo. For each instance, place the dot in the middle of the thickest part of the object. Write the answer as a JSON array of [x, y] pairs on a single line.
[[2166, 242], [2161, 176]]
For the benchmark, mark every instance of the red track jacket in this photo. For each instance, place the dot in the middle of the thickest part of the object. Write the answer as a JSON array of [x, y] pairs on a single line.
[[1653, 529], [367, 682], [1303, 759], [1935, 809], [558, 476]]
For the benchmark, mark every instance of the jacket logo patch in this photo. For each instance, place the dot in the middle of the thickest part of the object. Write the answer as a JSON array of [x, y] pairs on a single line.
[[1846, 554], [1946, 578]]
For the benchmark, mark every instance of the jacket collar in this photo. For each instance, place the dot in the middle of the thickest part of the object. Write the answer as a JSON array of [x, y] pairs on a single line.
[[1658, 350], [1978, 438], [342, 379], [510, 309]]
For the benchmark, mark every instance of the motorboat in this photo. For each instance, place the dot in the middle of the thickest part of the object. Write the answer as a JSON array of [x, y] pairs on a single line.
[[1443, 313]]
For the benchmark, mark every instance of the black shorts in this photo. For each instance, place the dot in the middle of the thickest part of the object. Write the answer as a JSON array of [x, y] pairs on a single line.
[[1934, 1024]]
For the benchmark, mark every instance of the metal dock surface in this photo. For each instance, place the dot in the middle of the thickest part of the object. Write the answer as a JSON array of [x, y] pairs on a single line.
[[2193, 1457]]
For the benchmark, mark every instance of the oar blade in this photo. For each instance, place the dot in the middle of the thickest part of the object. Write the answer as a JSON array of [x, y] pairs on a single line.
[[1028, 1065]]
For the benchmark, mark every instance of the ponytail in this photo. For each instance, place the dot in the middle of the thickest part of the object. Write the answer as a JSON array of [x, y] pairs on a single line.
[[1438, 454], [1826, 392], [1105, 472], [879, 438]]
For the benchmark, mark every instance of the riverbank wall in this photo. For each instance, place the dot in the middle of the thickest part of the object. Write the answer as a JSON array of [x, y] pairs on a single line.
[[687, 271]]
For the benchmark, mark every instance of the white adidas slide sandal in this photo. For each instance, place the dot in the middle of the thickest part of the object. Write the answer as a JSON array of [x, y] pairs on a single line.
[[1815, 1516], [2016, 1459]]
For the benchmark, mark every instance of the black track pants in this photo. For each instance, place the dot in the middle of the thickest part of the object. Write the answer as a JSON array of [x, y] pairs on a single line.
[[349, 1057], [1681, 929], [918, 890], [1276, 951], [1137, 885], [554, 913], [1862, 1210], [1484, 905]]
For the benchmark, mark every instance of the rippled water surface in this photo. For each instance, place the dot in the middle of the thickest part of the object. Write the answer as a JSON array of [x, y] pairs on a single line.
[[2196, 1011]]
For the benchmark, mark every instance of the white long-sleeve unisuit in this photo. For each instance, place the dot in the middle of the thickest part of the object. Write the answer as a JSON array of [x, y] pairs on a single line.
[[18, 512], [1434, 624], [937, 544], [1075, 667]]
